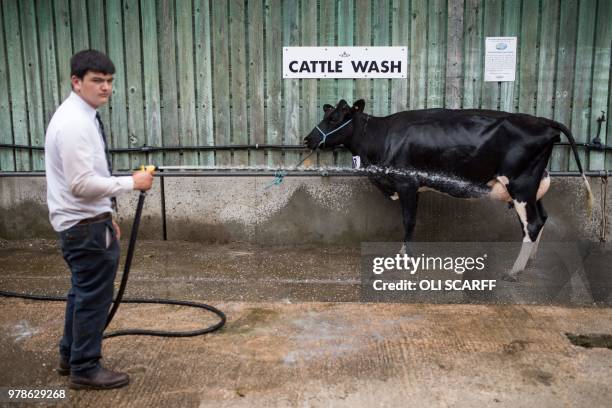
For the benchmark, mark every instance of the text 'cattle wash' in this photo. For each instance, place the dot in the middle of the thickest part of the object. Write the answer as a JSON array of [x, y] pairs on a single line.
[[364, 67], [345, 62]]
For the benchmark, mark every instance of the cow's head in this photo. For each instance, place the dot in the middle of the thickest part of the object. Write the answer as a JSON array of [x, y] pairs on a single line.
[[336, 128]]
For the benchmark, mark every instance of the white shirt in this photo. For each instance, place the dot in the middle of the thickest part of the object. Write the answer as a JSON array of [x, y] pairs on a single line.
[[79, 185]]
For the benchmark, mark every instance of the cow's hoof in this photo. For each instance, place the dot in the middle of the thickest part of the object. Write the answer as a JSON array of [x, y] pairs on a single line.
[[510, 277]]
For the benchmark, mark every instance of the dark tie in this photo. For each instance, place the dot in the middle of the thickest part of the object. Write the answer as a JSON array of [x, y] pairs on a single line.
[[109, 163]]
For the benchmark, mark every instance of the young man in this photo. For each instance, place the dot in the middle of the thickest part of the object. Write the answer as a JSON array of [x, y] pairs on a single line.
[[80, 193]]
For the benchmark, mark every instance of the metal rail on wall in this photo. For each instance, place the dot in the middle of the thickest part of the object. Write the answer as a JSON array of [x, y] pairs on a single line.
[[593, 145], [154, 149]]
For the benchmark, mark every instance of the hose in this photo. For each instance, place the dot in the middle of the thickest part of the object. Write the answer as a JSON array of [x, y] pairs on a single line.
[[119, 298]]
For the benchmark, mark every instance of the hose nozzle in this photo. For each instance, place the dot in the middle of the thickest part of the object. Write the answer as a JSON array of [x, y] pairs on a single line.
[[150, 168]]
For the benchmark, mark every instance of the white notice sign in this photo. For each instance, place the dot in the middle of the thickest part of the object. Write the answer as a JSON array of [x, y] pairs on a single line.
[[500, 59], [345, 62]]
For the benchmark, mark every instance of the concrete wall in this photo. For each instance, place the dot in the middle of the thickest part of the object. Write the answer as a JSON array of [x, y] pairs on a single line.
[[342, 210]]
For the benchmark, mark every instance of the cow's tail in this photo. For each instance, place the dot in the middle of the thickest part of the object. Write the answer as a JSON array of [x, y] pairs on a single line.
[[570, 137]]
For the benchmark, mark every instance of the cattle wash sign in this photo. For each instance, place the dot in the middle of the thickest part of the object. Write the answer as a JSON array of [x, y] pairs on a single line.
[[345, 62]]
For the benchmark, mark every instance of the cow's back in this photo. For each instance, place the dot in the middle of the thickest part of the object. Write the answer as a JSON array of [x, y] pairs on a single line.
[[472, 144]]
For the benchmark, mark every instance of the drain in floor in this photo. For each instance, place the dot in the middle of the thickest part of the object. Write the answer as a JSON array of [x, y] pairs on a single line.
[[591, 340]]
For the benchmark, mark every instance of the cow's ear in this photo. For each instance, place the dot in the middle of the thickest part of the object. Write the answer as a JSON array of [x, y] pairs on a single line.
[[343, 105], [327, 107], [359, 105]]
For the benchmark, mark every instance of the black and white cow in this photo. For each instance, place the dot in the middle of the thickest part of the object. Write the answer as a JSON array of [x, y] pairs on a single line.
[[463, 153]]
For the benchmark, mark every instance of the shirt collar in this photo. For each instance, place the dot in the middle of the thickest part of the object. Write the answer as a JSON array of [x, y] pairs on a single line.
[[87, 108]]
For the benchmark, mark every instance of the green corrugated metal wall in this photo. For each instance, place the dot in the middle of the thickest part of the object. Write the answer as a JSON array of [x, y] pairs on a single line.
[[206, 72]]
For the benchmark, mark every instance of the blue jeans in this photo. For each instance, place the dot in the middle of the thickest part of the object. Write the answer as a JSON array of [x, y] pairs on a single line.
[[93, 266]]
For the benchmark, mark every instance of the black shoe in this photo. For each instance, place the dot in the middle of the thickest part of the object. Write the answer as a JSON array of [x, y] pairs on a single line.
[[99, 379], [64, 366]]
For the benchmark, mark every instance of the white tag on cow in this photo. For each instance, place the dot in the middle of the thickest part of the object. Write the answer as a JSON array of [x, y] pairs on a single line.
[[356, 162]]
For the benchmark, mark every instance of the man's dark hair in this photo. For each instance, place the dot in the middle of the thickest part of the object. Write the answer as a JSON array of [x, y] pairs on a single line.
[[90, 60]]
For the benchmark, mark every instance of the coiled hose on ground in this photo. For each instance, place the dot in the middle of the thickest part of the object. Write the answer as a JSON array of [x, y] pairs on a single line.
[[119, 298]]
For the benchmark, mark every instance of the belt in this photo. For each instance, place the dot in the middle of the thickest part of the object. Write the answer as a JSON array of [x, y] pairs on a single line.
[[98, 218]]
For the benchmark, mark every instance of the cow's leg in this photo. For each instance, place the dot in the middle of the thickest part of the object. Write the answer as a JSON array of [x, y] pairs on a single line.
[[531, 224], [408, 197], [542, 189], [543, 216], [532, 217], [523, 256], [526, 182]]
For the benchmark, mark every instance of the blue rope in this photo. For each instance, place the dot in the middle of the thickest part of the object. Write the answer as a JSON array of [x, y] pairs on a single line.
[[278, 178], [279, 174]]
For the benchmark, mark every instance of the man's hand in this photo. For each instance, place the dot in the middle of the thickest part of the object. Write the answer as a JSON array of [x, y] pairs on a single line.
[[117, 230], [143, 180]]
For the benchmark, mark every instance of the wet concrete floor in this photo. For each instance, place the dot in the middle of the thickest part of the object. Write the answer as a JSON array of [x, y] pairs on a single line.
[[297, 335]]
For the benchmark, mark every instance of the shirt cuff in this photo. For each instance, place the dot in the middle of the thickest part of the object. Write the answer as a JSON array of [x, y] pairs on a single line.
[[126, 183]]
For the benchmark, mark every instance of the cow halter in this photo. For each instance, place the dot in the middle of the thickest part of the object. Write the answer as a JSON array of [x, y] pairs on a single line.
[[322, 142]]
